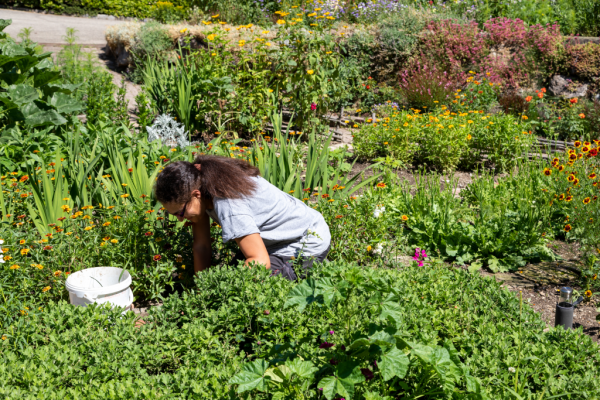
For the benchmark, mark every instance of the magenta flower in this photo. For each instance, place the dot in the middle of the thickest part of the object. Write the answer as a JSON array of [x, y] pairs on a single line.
[[326, 345], [331, 332], [313, 106]]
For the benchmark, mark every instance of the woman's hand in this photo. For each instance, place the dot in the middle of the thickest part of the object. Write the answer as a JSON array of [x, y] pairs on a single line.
[[253, 248]]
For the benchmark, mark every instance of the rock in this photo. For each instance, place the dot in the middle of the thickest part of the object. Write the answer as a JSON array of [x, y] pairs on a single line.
[[565, 87], [195, 43], [102, 16], [123, 57]]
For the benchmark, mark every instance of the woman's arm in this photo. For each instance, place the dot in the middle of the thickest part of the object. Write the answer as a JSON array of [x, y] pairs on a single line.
[[254, 249], [201, 245]]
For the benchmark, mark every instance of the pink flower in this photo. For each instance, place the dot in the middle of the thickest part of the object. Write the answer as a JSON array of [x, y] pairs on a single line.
[[313, 106]]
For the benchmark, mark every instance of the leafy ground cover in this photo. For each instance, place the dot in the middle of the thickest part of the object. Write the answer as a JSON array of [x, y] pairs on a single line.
[[434, 331]]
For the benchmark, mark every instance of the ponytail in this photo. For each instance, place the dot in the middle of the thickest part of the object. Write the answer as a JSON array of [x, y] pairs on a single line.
[[214, 176]]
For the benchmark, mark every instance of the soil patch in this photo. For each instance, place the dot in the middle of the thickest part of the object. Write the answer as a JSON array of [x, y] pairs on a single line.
[[541, 282]]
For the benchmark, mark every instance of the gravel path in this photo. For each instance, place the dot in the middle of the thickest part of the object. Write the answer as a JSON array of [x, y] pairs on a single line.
[[50, 29]]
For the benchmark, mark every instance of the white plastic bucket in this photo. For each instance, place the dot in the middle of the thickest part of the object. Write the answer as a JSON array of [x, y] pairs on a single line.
[[100, 285]]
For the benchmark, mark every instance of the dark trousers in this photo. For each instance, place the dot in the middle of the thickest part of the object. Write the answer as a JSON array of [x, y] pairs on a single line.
[[284, 265]]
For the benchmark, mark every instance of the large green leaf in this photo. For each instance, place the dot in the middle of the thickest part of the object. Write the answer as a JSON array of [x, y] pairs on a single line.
[[37, 116], [252, 377], [301, 295], [393, 363], [347, 375], [65, 103], [44, 76], [23, 94], [4, 23], [304, 369]]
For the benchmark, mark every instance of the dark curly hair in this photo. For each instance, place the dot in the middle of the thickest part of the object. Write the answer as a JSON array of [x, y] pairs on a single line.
[[214, 176]]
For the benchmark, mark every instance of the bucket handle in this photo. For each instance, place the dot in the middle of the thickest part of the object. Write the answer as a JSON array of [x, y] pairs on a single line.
[[90, 297], [131, 297]]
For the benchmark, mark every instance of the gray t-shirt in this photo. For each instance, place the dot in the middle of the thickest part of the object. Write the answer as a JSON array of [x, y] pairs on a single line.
[[286, 225]]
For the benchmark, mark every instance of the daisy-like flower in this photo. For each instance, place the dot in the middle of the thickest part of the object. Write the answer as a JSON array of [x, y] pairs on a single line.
[[157, 257], [567, 227]]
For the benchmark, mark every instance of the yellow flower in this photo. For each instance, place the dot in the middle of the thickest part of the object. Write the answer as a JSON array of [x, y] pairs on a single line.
[[310, 71], [280, 22], [469, 137], [114, 241], [525, 117], [184, 30], [88, 228], [46, 289], [242, 42], [369, 248], [211, 37], [66, 199], [116, 217], [24, 252], [68, 233], [106, 224], [14, 266], [469, 121], [124, 196]]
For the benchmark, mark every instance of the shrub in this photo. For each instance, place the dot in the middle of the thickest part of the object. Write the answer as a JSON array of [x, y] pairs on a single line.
[[167, 13], [513, 103], [584, 62], [423, 85], [31, 94], [152, 42], [443, 139], [453, 47]]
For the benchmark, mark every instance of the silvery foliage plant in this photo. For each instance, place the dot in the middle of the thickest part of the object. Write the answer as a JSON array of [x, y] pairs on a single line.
[[168, 131]]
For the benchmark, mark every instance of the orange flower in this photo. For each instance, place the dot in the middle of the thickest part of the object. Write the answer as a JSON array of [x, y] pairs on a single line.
[[568, 227], [528, 99], [540, 95], [157, 257], [582, 115], [404, 218], [381, 185], [573, 101]]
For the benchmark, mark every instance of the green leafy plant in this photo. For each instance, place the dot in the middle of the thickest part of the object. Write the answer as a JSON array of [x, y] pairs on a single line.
[[29, 91]]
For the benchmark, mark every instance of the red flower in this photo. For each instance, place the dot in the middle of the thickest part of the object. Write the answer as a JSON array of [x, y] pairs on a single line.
[[368, 87], [47, 247], [594, 152], [528, 99], [130, 169], [573, 101], [157, 257], [339, 216], [367, 373], [148, 233]]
